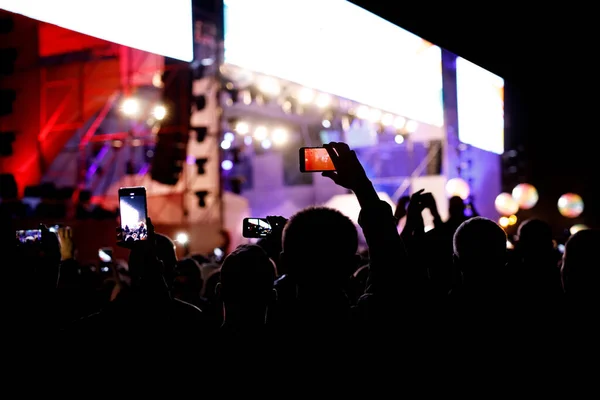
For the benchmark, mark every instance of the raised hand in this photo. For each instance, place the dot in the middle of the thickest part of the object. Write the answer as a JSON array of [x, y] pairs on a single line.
[[65, 238], [349, 172]]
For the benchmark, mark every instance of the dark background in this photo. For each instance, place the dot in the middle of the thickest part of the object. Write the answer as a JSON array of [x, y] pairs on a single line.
[[548, 57]]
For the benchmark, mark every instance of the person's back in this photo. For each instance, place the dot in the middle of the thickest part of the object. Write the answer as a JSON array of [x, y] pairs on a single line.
[[246, 290], [480, 255], [535, 268], [146, 320], [320, 252], [581, 271]]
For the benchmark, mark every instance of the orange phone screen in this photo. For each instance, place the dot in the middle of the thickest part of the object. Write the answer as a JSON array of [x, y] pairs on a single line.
[[317, 159]]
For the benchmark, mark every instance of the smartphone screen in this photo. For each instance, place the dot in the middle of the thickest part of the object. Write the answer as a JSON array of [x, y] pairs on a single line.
[[105, 254], [256, 227], [315, 159], [29, 236], [133, 213]]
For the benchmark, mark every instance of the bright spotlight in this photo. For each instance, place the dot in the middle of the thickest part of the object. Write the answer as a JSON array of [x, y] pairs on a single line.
[[326, 123], [242, 128], [411, 126], [182, 238], [266, 144], [248, 140], [362, 112], [130, 107], [226, 144], [269, 86], [279, 136], [387, 120], [229, 136], [159, 112], [399, 122], [399, 139], [374, 115], [306, 95], [227, 165], [157, 80], [260, 133], [504, 222], [323, 100]]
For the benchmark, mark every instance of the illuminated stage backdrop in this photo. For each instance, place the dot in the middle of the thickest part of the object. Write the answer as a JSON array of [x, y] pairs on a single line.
[[156, 26], [339, 48], [480, 101]]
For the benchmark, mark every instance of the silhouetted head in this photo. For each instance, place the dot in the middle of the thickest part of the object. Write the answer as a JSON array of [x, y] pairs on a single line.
[[247, 277], [166, 252], [534, 238], [479, 246], [456, 207], [581, 265], [188, 277], [320, 247]]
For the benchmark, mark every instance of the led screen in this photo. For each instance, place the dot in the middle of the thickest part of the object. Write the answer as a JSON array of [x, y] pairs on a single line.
[[337, 47], [157, 26], [480, 103]]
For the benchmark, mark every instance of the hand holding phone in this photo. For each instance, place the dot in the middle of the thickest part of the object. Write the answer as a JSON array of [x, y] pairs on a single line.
[[256, 228], [133, 214], [315, 159], [349, 172]]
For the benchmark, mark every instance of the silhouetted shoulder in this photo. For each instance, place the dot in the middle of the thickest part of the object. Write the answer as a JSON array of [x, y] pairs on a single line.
[[187, 308]]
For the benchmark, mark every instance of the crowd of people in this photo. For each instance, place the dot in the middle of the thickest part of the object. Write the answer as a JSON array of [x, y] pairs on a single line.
[[450, 293]]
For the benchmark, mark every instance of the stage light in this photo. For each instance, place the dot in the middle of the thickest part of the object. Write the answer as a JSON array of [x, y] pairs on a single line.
[[512, 220], [279, 136], [399, 122], [157, 80], [287, 107], [387, 120], [242, 128], [362, 112], [130, 107], [323, 100], [182, 238], [326, 123], [159, 112], [260, 133], [306, 95], [227, 165], [399, 139], [374, 115], [248, 140], [226, 144], [503, 222], [411, 126], [269, 86], [229, 136], [266, 144]]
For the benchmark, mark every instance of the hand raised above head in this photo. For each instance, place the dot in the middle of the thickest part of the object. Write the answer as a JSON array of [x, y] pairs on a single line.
[[67, 248], [349, 172], [277, 222]]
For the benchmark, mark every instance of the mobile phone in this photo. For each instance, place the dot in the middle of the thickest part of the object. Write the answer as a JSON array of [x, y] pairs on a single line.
[[29, 235], [256, 228], [133, 213], [315, 159], [105, 254]]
